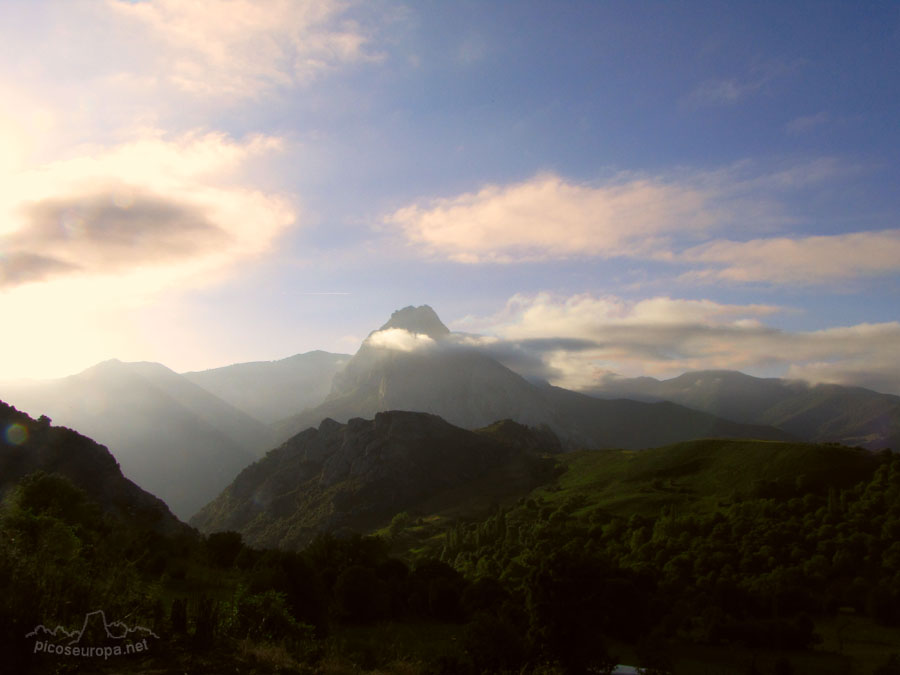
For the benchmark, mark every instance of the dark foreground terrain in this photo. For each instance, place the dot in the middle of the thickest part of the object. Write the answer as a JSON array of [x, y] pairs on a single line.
[[712, 556]]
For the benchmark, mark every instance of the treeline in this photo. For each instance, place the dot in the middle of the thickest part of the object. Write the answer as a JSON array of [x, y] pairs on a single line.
[[751, 573], [540, 586], [63, 558]]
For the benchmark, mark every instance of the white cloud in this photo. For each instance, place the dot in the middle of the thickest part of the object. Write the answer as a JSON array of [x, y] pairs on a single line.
[[676, 219], [547, 218], [664, 337], [89, 239], [399, 339], [90, 243], [804, 260], [239, 48], [153, 210]]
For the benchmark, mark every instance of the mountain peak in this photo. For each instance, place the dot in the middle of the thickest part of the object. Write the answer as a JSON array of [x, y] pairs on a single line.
[[422, 320]]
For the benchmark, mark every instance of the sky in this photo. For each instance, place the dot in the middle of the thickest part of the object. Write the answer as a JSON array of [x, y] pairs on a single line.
[[602, 189]]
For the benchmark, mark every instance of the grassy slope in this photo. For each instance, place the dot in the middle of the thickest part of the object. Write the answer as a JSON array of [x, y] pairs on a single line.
[[697, 474]]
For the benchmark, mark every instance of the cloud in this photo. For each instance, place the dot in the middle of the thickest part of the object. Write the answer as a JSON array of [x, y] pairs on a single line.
[[855, 373], [730, 90], [472, 50], [548, 218], [399, 339], [722, 92], [239, 48], [154, 208], [18, 267], [528, 357], [108, 231], [806, 123], [677, 219], [664, 337], [803, 260]]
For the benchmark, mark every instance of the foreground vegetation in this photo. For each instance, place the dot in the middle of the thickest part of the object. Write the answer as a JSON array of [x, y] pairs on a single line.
[[712, 556]]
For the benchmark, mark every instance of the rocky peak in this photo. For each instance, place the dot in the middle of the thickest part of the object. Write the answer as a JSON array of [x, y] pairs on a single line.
[[422, 320]]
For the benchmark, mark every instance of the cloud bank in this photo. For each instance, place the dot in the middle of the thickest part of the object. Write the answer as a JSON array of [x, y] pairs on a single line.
[[578, 341], [798, 260], [678, 220]]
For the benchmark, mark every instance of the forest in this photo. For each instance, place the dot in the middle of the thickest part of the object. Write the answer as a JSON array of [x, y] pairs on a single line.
[[552, 583]]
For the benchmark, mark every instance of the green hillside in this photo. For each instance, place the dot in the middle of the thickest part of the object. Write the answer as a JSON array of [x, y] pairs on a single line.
[[702, 474], [713, 554]]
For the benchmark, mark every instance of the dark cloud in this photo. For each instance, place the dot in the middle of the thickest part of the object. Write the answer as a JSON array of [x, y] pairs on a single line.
[[551, 344], [527, 357], [19, 268], [107, 231]]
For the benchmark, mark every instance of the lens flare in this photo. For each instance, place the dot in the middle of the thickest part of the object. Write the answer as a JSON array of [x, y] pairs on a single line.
[[16, 434], [72, 224]]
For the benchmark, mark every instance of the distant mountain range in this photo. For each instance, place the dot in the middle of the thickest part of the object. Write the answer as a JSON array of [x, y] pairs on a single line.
[[170, 436], [28, 445], [816, 413], [414, 363], [184, 437], [273, 390]]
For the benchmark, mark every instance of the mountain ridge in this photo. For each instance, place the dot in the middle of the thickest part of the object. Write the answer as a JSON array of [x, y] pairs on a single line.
[[360, 474], [171, 436], [815, 412], [471, 389], [272, 390]]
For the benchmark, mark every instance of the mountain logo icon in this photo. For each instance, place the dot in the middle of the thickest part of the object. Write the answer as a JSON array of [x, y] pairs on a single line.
[[95, 637], [95, 623]]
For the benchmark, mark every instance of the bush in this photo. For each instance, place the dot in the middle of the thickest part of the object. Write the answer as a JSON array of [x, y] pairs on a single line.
[[360, 595]]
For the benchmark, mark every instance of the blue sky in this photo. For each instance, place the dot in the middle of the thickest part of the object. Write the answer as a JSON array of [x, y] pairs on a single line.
[[680, 185]]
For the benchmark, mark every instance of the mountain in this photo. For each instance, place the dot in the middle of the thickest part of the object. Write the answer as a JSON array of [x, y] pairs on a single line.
[[413, 362], [28, 445], [360, 474], [272, 390], [816, 413], [422, 320], [170, 436]]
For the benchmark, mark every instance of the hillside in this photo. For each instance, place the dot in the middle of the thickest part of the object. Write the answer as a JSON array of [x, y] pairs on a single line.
[[170, 436], [701, 475], [815, 413], [29, 445], [360, 474]]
